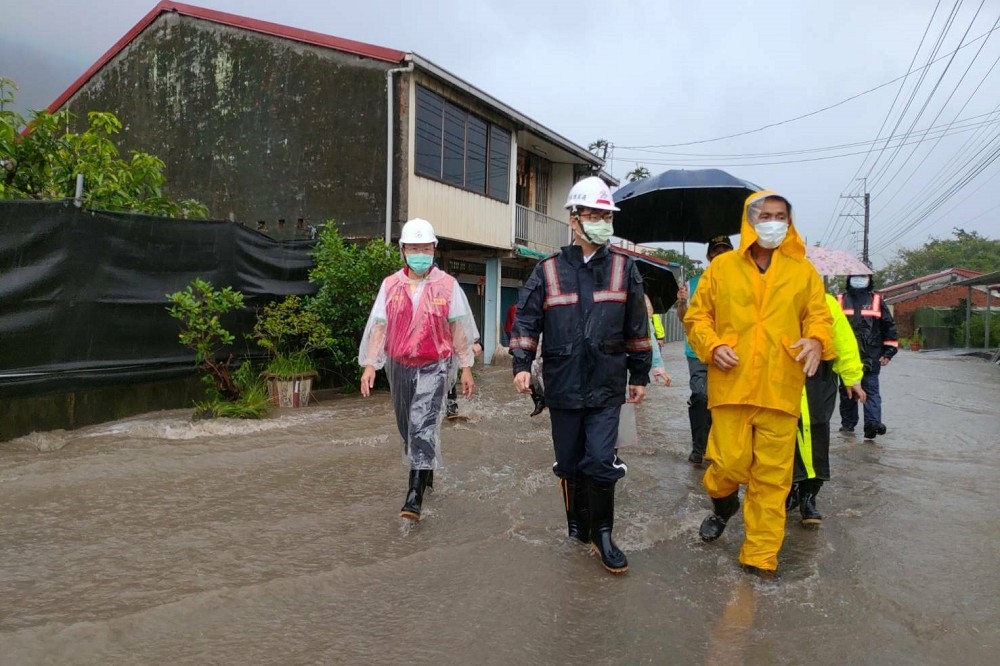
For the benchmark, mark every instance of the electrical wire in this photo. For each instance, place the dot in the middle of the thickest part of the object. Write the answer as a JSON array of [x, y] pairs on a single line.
[[930, 96], [811, 113], [830, 231]]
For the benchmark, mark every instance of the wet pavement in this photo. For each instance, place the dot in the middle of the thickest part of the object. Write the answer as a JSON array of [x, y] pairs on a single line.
[[160, 540]]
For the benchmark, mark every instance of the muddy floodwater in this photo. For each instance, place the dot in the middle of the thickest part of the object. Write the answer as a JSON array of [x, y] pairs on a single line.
[[158, 540]]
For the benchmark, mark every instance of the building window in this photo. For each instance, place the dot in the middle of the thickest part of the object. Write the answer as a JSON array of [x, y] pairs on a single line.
[[455, 147], [499, 172]]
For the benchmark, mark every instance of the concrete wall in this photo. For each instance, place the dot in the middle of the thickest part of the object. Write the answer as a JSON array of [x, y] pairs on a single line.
[[66, 411], [254, 126]]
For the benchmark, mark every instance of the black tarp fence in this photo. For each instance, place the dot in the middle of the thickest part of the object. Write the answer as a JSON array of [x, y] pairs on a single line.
[[83, 293]]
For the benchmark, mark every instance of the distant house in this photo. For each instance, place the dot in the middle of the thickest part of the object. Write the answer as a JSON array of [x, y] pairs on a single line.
[[937, 290], [284, 129]]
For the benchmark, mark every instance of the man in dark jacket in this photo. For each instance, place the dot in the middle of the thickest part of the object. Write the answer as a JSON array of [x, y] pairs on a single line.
[[875, 330], [588, 302]]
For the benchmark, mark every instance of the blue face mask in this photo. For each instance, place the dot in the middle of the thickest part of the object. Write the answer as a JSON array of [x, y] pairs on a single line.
[[420, 263]]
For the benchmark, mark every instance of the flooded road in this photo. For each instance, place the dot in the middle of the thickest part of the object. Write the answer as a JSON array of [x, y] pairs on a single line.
[[157, 540]]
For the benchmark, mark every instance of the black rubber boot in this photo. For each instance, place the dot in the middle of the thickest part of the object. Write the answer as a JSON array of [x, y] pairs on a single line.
[[574, 493], [807, 502], [792, 501], [539, 400], [723, 509], [602, 520], [415, 493], [871, 429], [701, 420]]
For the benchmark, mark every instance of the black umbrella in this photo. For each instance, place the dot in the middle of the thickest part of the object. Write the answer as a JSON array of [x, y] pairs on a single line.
[[658, 278], [680, 206]]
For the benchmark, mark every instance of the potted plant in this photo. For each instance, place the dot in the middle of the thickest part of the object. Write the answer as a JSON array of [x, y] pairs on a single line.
[[917, 341], [290, 333]]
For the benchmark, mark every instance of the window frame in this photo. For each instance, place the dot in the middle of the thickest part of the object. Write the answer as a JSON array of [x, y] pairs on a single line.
[[437, 131]]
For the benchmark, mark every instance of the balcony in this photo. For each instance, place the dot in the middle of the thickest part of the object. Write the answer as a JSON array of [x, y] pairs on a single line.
[[538, 231]]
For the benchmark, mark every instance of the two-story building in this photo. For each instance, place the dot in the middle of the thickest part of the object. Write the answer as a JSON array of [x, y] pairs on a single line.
[[286, 129]]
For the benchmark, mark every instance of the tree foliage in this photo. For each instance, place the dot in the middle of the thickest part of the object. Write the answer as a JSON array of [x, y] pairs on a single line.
[[691, 268], [290, 333], [966, 250], [349, 276], [198, 308], [638, 173], [600, 147], [39, 160]]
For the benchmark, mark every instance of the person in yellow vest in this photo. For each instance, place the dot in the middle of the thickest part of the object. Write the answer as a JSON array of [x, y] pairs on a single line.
[[760, 322], [819, 400]]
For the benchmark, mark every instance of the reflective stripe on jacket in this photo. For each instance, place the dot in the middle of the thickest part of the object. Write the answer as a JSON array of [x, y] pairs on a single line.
[[593, 316], [874, 328]]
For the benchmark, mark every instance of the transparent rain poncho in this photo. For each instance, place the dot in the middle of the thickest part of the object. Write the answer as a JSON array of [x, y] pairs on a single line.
[[420, 331]]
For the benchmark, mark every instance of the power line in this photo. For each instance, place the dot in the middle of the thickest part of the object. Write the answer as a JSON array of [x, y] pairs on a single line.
[[811, 113], [939, 181], [936, 143], [928, 100], [949, 22], [886, 245], [830, 230], [946, 129], [955, 187]]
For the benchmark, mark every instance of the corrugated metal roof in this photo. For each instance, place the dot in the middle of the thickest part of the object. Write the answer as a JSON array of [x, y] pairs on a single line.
[[989, 279]]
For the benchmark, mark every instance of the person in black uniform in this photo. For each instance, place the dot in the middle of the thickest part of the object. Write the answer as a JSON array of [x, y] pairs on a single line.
[[588, 301], [875, 330]]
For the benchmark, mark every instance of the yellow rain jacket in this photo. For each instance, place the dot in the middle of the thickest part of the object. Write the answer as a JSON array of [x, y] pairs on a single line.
[[759, 315]]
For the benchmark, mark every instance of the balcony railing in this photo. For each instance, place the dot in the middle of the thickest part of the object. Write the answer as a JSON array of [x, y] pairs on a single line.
[[538, 231]]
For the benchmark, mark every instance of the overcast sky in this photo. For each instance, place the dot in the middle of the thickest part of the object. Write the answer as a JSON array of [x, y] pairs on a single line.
[[652, 76]]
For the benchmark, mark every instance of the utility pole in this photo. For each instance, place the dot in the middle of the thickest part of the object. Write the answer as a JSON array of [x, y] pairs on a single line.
[[866, 199], [864, 252]]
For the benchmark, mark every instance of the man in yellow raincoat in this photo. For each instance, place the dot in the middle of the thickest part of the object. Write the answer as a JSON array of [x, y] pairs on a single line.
[[760, 322]]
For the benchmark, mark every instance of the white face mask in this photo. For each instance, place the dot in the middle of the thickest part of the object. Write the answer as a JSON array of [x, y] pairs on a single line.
[[770, 234], [597, 233], [859, 282]]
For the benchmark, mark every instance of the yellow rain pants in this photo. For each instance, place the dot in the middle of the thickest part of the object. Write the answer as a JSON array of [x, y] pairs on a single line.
[[753, 446]]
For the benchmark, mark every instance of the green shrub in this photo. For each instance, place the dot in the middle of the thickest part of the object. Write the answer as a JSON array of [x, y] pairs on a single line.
[[977, 330], [290, 333], [348, 276], [198, 308], [252, 403]]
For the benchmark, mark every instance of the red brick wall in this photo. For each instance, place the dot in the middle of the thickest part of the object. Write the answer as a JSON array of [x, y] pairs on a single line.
[[948, 297]]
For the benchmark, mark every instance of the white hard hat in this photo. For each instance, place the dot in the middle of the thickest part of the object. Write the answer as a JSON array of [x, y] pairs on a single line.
[[591, 192], [417, 231]]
